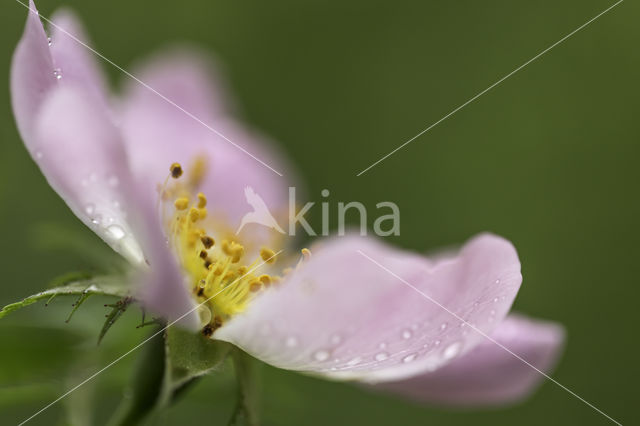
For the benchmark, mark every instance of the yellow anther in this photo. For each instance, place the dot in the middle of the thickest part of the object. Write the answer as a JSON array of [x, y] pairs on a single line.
[[207, 241], [306, 253], [265, 279], [202, 212], [194, 214], [176, 170], [255, 286], [203, 254], [202, 200], [242, 270], [182, 203], [233, 250], [267, 255], [229, 276]]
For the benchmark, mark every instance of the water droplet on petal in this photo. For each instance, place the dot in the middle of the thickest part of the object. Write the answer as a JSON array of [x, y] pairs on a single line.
[[291, 342], [406, 334], [409, 358], [116, 232], [495, 300], [89, 209], [38, 154], [443, 326], [452, 351], [381, 356], [382, 345], [497, 281], [321, 355], [57, 73], [49, 41], [437, 343], [354, 361]]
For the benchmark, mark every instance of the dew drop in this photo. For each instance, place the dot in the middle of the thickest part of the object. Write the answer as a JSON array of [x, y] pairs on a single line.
[[321, 355], [57, 73], [89, 209], [116, 232], [38, 154], [49, 41], [409, 358], [382, 345], [381, 356], [498, 281], [495, 300], [354, 361], [437, 343], [406, 334], [452, 351], [443, 326], [291, 342]]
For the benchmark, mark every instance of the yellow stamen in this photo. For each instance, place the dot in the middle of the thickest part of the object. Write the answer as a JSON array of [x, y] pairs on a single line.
[[267, 255], [182, 203], [176, 170], [202, 200]]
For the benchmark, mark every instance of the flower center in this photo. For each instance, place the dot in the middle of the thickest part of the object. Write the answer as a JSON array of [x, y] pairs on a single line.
[[221, 274]]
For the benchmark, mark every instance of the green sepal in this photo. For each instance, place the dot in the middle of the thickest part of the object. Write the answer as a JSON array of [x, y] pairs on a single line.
[[246, 411]]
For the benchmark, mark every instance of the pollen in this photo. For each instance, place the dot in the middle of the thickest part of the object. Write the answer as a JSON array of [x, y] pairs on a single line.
[[194, 214], [207, 241], [181, 203], [202, 200], [267, 255], [176, 170], [222, 276]]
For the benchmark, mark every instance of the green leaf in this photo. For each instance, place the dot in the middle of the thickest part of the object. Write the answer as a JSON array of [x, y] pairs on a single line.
[[246, 412], [105, 286]]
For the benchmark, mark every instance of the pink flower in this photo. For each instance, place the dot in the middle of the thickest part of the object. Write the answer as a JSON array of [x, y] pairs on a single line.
[[336, 313]]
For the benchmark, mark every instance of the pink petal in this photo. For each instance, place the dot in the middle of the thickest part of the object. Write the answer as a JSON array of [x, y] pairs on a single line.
[[84, 161], [75, 62], [32, 75], [159, 133], [343, 316], [490, 375], [80, 153], [162, 287]]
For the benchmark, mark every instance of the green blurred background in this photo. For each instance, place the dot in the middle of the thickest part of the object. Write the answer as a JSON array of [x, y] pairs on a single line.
[[548, 159]]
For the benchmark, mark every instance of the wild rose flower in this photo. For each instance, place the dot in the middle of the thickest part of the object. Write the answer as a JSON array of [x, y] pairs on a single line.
[[147, 172]]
